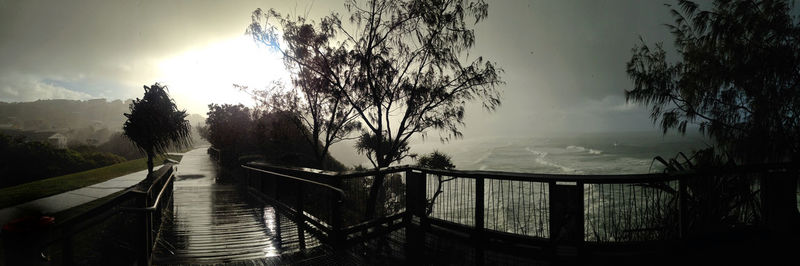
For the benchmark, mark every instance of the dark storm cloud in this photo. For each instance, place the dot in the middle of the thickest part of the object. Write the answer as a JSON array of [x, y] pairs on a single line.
[[564, 61]]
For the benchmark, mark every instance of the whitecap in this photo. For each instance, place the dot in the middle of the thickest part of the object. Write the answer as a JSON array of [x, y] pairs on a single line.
[[483, 157], [540, 159]]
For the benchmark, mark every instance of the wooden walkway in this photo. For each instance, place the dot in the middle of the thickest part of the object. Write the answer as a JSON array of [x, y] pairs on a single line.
[[215, 222]]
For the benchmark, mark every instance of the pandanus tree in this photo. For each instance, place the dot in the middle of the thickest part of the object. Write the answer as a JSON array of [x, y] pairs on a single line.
[[155, 124]]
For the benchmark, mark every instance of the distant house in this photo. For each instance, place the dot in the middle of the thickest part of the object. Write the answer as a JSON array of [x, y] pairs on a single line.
[[58, 141]]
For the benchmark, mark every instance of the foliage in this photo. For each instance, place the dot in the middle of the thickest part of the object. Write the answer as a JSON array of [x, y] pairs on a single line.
[[436, 160], [397, 63], [229, 127], [717, 198], [23, 161], [203, 132], [241, 133], [369, 144], [155, 124], [737, 77], [318, 107], [119, 145], [402, 59], [283, 140]]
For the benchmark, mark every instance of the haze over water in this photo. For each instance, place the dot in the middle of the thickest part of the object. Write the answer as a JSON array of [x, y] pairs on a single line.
[[588, 153]]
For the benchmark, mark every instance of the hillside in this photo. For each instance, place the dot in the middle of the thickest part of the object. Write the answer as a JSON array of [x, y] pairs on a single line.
[[90, 122]]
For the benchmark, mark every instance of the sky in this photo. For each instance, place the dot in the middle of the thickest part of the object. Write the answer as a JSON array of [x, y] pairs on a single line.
[[564, 61]]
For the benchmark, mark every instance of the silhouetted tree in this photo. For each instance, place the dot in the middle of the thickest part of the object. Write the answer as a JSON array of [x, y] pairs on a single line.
[[738, 77], [155, 124], [399, 66], [229, 128], [436, 160], [322, 115]]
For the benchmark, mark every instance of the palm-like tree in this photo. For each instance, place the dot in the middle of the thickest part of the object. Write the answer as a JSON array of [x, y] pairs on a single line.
[[155, 124]]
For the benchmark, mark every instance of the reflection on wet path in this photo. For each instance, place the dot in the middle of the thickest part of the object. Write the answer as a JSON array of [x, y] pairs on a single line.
[[215, 222]]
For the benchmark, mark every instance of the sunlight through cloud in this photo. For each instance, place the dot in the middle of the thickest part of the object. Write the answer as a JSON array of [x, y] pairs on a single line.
[[206, 75]]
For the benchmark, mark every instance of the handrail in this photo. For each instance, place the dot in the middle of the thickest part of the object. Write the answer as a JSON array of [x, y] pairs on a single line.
[[154, 206], [536, 177], [338, 190]]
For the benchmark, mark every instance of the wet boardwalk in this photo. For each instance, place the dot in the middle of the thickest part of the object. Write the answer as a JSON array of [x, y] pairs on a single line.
[[214, 222]]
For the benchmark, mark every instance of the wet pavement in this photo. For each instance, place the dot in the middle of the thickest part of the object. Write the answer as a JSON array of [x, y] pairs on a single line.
[[63, 201], [214, 222]]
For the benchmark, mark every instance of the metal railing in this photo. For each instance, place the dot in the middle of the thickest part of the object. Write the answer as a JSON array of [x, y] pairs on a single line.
[[123, 229], [534, 209], [313, 200]]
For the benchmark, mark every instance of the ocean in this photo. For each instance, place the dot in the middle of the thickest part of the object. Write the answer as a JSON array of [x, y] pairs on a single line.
[[613, 212], [585, 154]]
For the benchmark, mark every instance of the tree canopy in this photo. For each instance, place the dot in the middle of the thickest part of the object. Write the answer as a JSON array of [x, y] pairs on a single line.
[[228, 126], [155, 124], [436, 160], [402, 66], [737, 77]]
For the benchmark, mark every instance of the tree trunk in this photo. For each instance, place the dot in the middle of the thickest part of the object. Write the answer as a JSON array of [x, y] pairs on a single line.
[[374, 191], [780, 204]]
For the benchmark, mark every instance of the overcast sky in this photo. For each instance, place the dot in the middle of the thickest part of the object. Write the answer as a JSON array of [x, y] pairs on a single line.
[[564, 61]]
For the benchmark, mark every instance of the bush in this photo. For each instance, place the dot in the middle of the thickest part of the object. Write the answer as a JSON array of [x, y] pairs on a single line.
[[23, 161]]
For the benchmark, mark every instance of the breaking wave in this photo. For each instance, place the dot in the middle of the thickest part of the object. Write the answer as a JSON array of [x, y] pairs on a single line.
[[540, 159], [581, 149]]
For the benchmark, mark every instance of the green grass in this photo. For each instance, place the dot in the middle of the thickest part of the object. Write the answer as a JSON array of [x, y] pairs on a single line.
[[47, 187]]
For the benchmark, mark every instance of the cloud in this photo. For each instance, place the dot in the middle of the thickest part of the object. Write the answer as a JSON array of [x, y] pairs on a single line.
[[19, 88]]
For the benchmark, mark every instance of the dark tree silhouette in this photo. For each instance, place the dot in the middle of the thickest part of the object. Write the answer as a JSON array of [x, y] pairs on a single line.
[[399, 64], [155, 124], [436, 160], [229, 128], [323, 115], [738, 77]]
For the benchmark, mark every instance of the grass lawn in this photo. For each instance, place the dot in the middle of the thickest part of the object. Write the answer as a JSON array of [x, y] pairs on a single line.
[[47, 187]]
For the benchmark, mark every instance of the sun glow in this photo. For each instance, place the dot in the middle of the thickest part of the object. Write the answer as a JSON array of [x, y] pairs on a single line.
[[206, 75]]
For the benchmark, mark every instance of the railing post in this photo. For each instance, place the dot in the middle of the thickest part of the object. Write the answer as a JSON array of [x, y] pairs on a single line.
[[336, 216], [143, 230], [301, 216], [66, 249], [479, 211], [682, 215], [415, 193], [415, 208], [566, 217]]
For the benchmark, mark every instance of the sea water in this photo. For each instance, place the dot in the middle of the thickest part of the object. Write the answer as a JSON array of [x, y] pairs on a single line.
[[585, 154], [523, 207]]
